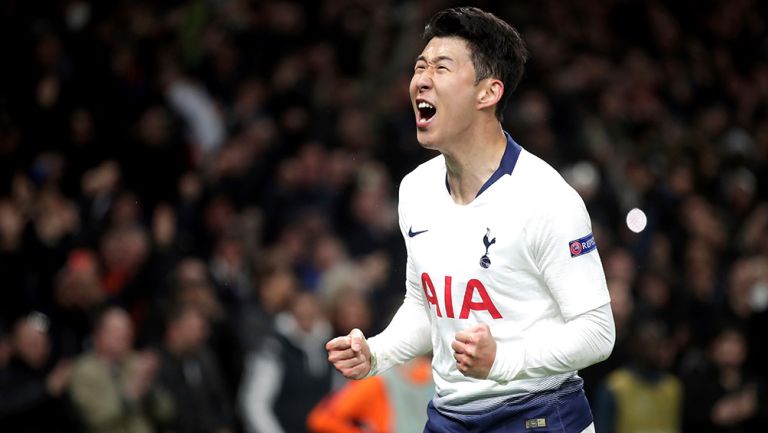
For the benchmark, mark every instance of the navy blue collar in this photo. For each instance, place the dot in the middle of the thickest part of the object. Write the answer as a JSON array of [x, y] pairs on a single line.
[[507, 165]]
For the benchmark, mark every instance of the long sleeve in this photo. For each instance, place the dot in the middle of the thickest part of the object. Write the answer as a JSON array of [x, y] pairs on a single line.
[[408, 334], [260, 388], [580, 342], [561, 244]]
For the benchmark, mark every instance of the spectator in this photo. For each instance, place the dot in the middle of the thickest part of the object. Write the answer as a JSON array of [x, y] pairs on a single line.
[[747, 305], [642, 396], [32, 386], [113, 386], [189, 283], [213, 115], [191, 374], [276, 293], [350, 309], [78, 294], [222, 339], [290, 374], [721, 395]]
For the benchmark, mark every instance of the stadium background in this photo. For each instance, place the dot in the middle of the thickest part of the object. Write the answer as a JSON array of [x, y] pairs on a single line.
[[232, 155]]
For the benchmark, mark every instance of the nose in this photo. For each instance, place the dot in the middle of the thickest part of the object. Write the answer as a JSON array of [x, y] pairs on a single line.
[[423, 80]]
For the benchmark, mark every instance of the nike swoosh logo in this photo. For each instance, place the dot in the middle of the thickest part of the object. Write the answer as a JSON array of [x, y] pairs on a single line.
[[412, 233]]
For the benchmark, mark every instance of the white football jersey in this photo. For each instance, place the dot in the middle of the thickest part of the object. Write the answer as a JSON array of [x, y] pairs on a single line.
[[520, 258]]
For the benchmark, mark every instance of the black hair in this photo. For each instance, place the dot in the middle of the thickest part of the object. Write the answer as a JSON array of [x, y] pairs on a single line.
[[496, 47]]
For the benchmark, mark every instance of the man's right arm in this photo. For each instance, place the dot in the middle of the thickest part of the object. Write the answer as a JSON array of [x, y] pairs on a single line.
[[406, 337]]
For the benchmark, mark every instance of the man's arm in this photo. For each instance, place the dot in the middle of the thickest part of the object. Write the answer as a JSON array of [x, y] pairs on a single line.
[[408, 334], [406, 337], [575, 279], [585, 340]]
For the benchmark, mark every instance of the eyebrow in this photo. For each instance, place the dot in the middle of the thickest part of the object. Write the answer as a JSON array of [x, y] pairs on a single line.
[[437, 59]]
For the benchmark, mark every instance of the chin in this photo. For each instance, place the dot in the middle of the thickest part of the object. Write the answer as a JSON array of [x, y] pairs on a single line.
[[426, 139]]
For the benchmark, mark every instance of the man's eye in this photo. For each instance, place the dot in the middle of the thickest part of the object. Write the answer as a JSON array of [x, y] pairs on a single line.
[[419, 67], [442, 68]]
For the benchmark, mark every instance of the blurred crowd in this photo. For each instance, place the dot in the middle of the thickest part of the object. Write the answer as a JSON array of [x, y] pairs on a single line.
[[196, 195]]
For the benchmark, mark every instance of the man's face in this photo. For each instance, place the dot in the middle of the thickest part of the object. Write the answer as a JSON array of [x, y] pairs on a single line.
[[32, 344], [443, 91], [115, 337]]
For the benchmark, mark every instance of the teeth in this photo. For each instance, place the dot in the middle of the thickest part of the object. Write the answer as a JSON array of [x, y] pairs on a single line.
[[425, 105], [424, 121]]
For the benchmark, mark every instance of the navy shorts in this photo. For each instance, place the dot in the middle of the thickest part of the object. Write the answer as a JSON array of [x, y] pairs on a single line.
[[545, 413]]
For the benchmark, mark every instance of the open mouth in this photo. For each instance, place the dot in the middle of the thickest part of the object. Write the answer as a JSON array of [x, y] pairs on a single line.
[[427, 112]]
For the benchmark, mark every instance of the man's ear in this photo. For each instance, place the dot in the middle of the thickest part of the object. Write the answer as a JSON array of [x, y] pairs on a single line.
[[491, 90]]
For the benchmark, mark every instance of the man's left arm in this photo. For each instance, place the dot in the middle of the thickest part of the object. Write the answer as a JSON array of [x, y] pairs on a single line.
[[585, 340], [579, 343], [564, 250]]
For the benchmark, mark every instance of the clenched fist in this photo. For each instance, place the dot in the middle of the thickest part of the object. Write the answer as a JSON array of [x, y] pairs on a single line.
[[350, 355], [474, 350]]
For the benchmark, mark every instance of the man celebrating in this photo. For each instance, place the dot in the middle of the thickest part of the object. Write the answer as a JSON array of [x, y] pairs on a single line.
[[504, 282]]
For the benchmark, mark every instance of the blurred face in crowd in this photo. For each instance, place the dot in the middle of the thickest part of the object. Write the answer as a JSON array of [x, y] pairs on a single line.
[[114, 337], [30, 341], [443, 91], [188, 332], [203, 298], [277, 291], [652, 346], [192, 271], [729, 349], [78, 285], [306, 311], [124, 248], [352, 311]]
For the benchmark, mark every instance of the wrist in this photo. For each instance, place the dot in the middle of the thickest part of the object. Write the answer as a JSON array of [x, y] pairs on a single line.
[[373, 363], [508, 362]]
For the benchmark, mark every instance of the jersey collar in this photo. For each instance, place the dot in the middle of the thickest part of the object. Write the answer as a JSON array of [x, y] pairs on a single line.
[[507, 165]]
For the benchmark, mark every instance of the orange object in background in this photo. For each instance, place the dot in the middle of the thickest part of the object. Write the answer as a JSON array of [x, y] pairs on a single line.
[[391, 403]]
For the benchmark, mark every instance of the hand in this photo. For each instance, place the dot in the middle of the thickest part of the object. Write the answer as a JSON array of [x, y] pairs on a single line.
[[147, 365], [144, 373], [350, 355], [734, 408], [58, 379], [474, 350]]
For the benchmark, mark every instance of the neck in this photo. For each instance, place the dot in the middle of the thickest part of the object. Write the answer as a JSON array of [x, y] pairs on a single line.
[[473, 158], [107, 358]]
